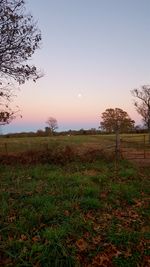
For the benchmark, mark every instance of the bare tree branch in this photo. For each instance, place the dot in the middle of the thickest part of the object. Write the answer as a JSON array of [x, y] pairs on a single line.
[[52, 123], [19, 39]]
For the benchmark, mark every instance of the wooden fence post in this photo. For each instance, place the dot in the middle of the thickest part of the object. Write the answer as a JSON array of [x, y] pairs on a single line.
[[6, 148], [117, 150], [117, 144], [144, 147]]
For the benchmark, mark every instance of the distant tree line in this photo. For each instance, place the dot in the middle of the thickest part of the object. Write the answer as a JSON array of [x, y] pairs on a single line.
[[93, 131]]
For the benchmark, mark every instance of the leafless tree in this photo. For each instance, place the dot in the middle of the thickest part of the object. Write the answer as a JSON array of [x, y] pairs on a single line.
[[142, 104], [52, 124]]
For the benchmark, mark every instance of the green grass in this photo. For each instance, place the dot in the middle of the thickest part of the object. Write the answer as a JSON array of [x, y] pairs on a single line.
[[74, 214]]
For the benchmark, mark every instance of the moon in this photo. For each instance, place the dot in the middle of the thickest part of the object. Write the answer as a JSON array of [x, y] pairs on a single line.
[[79, 95]]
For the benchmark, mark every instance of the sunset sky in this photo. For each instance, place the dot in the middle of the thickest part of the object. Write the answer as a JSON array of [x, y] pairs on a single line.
[[93, 53]]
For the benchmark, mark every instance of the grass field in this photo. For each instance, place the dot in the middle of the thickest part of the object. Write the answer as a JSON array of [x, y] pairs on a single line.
[[38, 143], [17, 145], [79, 213]]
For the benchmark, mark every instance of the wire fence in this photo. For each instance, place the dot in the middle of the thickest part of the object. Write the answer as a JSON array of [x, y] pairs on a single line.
[[15, 147], [126, 146], [135, 147]]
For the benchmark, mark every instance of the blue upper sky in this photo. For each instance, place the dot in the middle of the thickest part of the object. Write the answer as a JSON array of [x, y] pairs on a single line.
[[93, 53]]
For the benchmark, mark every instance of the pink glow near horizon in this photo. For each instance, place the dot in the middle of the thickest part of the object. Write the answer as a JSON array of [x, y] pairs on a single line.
[[71, 118]]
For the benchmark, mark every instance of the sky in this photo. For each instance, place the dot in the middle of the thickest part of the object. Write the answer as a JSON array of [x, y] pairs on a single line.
[[93, 53]]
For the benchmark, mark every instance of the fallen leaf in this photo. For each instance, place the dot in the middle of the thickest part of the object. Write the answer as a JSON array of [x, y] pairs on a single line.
[[103, 194], [11, 218], [81, 244], [101, 260], [128, 253], [67, 213], [23, 237], [96, 240], [36, 238]]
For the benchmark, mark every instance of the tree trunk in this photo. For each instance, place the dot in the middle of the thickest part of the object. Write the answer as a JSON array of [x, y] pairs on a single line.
[[149, 125]]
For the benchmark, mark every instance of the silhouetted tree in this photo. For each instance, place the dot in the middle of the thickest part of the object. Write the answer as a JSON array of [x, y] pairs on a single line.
[[142, 104], [52, 124], [114, 120], [19, 38]]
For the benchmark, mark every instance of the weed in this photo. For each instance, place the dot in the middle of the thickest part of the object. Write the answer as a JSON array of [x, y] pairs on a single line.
[[90, 203], [91, 191]]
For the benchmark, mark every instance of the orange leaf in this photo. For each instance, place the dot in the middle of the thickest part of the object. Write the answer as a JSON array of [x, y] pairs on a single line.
[[66, 212], [23, 237], [96, 240], [81, 244], [101, 260], [36, 238]]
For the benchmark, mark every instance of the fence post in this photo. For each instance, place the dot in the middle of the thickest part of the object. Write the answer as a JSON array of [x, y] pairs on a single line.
[[144, 147], [117, 150], [117, 144], [6, 148]]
